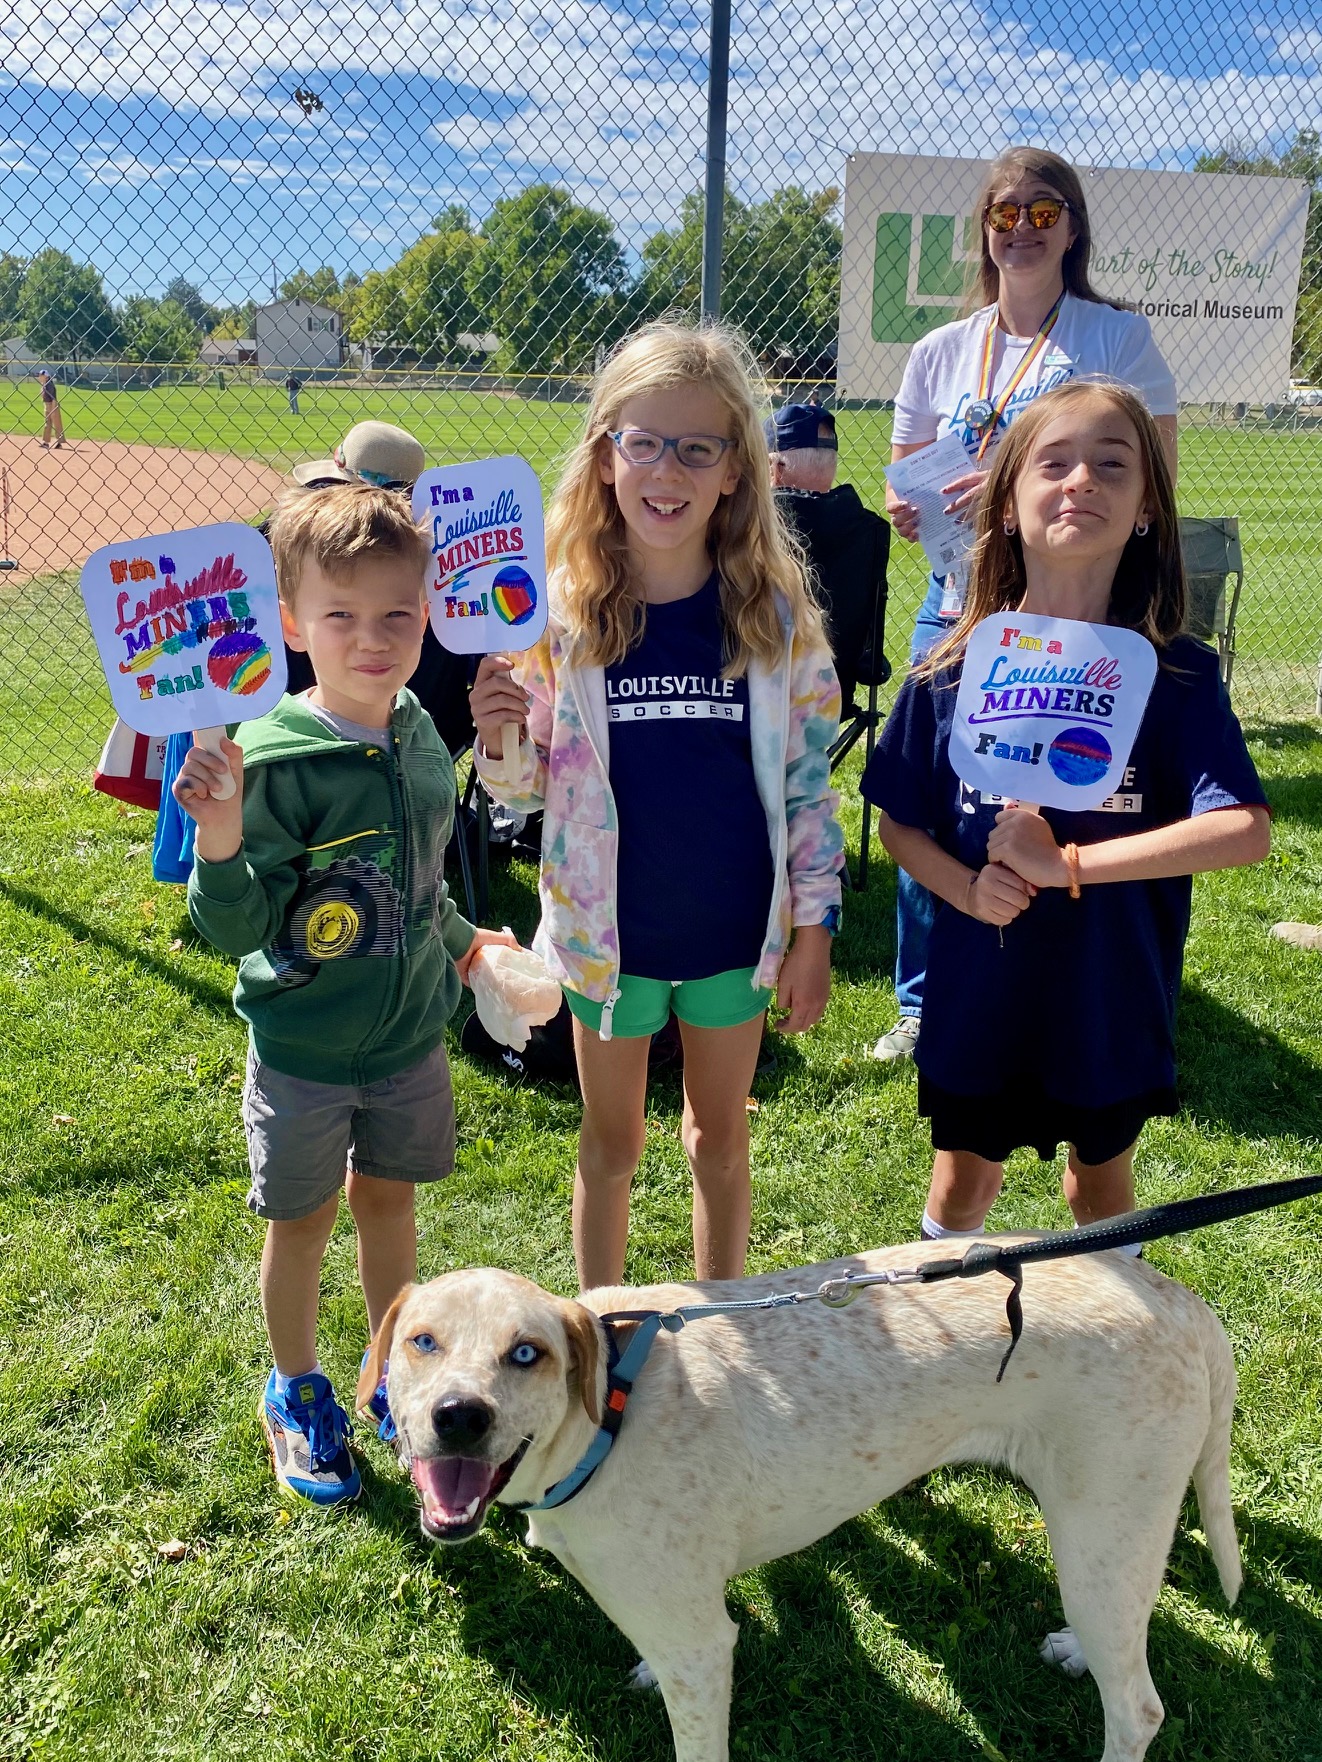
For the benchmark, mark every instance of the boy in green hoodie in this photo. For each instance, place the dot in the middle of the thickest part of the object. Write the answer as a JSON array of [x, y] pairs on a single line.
[[324, 870]]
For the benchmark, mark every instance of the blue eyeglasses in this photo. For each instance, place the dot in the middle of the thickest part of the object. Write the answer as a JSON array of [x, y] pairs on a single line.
[[695, 451]]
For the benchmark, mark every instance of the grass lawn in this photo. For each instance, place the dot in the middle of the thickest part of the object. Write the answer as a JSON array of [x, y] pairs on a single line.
[[1271, 479], [159, 1600]]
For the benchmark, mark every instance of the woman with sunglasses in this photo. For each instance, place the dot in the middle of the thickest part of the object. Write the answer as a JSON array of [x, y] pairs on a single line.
[[1035, 322]]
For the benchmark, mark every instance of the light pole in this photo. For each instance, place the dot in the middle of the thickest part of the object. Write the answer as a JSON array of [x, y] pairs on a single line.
[[718, 91]]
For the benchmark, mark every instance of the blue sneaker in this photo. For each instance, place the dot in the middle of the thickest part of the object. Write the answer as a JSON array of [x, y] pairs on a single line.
[[308, 1433], [377, 1407]]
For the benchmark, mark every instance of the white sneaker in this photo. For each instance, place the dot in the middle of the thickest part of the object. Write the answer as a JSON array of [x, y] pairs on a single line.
[[901, 1042]]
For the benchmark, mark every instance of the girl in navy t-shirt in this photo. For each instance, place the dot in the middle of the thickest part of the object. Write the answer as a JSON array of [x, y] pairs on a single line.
[[1057, 948], [677, 721]]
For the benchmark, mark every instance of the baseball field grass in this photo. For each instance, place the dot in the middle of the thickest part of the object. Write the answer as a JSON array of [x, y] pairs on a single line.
[[160, 1600]]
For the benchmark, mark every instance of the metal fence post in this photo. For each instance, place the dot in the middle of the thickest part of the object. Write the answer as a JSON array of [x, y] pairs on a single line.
[[718, 90]]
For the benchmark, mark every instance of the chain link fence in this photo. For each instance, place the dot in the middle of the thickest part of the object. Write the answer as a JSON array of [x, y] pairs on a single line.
[[441, 217]]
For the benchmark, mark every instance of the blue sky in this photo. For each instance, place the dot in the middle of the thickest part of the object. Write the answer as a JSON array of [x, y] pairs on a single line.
[[159, 137]]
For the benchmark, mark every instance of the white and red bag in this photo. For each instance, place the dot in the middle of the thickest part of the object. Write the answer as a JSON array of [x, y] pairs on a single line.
[[131, 767]]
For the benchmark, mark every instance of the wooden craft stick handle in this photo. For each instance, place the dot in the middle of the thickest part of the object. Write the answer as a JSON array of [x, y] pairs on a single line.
[[209, 740], [510, 741]]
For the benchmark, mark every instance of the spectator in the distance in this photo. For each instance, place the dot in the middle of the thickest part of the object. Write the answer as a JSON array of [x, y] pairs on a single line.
[[293, 386], [847, 544], [51, 420]]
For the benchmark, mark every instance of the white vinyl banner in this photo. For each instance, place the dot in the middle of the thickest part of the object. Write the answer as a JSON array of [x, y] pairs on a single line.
[[1211, 259]]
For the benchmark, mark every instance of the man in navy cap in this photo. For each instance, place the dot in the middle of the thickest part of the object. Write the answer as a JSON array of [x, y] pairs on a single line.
[[847, 544]]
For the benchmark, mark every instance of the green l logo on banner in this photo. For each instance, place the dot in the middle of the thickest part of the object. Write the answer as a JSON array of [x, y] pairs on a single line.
[[939, 282]]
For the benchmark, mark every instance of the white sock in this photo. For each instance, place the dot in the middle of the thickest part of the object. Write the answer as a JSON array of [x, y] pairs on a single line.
[[282, 1382], [932, 1231]]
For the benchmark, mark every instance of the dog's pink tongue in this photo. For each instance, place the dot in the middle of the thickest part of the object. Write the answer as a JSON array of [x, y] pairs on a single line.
[[453, 1486]]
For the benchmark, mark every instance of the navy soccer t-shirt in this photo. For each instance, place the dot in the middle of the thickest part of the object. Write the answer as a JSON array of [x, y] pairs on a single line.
[[694, 878], [1078, 996]]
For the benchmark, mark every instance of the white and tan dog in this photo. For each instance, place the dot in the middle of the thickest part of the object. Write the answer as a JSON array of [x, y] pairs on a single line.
[[747, 1437]]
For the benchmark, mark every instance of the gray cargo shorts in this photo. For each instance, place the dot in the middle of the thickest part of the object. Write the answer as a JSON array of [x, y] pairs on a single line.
[[303, 1136]]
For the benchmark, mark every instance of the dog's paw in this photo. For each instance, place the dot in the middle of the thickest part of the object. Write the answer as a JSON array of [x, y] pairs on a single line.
[[1063, 1649], [642, 1676]]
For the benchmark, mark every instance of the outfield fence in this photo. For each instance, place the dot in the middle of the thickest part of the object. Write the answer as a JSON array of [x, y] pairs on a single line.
[[445, 219]]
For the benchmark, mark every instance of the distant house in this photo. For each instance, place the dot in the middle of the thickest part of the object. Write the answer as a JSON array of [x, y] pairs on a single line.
[[298, 334], [18, 359], [229, 351]]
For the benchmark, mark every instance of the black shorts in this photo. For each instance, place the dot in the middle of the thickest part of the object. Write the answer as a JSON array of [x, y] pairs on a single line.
[[991, 1126]]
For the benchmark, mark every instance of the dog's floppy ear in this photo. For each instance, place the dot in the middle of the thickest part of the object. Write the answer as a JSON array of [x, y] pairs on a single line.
[[583, 1331], [378, 1352]]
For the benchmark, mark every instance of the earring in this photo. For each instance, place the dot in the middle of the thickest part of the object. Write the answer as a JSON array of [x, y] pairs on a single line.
[[1009, 528], [1141, 530]]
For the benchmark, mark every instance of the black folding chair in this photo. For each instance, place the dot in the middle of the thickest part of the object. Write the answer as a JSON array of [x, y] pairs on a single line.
[[871, 669]]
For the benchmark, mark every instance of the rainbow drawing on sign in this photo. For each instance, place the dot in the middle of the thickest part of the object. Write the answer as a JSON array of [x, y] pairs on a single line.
[[514, 595], [1079, 755], [240, 663]]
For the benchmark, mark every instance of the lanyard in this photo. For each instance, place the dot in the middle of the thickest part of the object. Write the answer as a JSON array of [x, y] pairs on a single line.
[[997, 410]]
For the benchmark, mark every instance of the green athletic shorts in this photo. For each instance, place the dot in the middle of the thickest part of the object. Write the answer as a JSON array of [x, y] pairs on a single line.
[[723, 1001]]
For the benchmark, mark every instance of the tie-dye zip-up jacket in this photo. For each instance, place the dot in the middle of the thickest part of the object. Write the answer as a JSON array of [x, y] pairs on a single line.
[[564, 769]]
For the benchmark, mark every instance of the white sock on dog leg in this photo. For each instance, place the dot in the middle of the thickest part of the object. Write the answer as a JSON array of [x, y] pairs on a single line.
[[931, 1231]]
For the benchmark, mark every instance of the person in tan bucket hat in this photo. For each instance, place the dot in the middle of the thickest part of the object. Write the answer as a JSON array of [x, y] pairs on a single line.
[[371, 452]]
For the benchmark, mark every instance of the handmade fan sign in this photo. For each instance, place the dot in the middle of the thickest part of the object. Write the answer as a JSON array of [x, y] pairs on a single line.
[[188, 629], [1049, 709], [487, 582]]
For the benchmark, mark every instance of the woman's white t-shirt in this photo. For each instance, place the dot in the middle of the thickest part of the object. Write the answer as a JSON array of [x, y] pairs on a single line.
[[941, 378]]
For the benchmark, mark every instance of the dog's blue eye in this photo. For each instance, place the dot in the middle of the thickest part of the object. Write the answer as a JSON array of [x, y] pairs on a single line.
[[424, 1343], [525, 1353]]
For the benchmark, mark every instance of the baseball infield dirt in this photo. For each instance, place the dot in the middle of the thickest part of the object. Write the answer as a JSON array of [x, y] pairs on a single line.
[[65, 502]]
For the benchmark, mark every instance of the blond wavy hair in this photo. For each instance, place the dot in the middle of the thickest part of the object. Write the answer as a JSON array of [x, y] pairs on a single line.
[[600, 602]]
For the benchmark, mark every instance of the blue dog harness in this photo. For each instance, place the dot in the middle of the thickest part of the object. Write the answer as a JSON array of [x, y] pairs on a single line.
[[623, 1367]]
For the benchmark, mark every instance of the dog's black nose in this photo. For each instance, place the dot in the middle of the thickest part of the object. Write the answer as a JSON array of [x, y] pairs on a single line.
[[461, 1424]]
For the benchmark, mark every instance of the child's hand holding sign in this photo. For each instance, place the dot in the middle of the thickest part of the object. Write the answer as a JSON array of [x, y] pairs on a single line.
[[200, 789]]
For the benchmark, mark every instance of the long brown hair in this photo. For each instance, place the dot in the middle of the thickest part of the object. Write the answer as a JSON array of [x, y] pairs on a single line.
[[1048, 168], [600, 601], [1148, 592]]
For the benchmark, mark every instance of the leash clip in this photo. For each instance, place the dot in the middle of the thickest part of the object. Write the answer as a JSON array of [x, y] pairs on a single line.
[[838, 1293]]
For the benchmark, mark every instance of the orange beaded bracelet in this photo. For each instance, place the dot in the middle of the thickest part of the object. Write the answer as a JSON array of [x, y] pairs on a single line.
[[1072, 864]]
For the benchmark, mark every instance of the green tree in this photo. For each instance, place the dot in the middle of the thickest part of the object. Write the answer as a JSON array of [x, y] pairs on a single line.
[[550, 280], [452, 218], [202, 313], [236, 321], [321, 287], [780, 277], [1301, 159], [12, 272], [63, 309], [421, 304], [159, 331]]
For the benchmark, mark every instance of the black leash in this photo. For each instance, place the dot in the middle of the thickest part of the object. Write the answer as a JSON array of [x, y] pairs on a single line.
[[981, 1257], [1148, 1225]]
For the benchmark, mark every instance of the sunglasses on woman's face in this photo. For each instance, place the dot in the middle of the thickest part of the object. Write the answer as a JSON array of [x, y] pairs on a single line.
[[1042, 213]]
